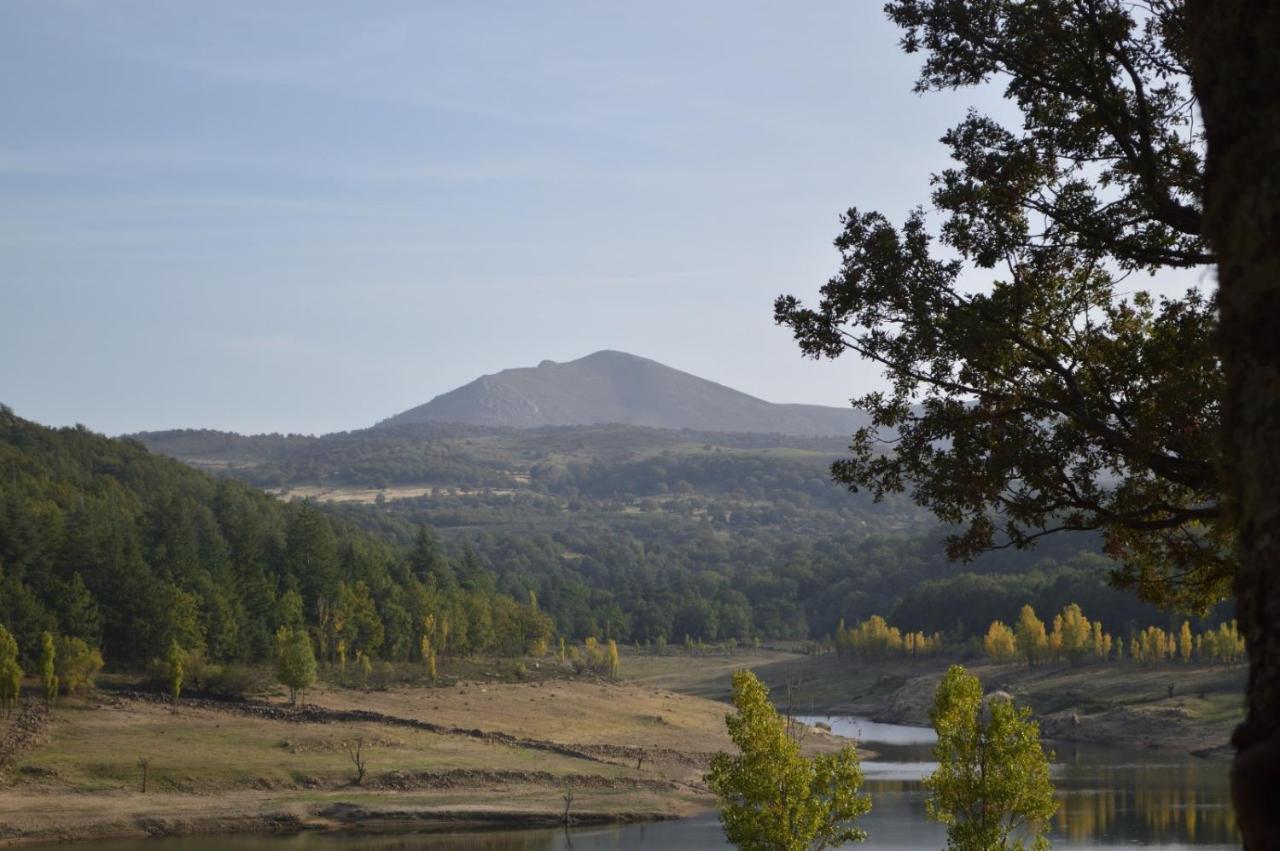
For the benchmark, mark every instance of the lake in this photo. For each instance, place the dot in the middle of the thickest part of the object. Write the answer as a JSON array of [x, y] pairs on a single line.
[[1111, 798]]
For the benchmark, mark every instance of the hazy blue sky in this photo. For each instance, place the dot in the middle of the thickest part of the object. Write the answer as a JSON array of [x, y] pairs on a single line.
[[309, 216]]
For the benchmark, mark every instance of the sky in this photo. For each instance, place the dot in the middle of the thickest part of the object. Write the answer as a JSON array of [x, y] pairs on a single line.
[[306, 217]]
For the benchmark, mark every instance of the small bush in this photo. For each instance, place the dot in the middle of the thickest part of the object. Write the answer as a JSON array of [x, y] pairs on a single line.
[[235, 682], [77, 665]]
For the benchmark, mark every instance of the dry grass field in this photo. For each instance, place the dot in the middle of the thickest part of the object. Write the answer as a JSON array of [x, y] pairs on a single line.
[[485, 751]]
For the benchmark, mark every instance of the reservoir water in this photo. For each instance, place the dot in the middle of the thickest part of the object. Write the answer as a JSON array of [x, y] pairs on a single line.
[[1111, 798]]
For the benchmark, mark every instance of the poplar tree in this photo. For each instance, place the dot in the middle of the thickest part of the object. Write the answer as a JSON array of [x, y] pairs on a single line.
[[999, 642], [1032, 642], [177, 670], [296, 661], [771, 797], [48, 670], [991, 788], [1072, 634], [10, 671]]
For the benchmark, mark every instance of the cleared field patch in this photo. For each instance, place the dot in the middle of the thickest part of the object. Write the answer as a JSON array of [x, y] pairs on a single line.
[[566, 711], [96, 747]]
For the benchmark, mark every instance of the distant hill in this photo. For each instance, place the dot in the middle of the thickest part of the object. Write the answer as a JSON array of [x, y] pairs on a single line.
[[616, 387]]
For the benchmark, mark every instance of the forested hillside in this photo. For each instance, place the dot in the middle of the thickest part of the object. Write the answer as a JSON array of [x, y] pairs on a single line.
[[639, 533], [130, 550], [103, 540]]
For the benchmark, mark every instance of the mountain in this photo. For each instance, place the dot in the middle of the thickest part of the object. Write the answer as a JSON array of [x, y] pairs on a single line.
[[616, 387]]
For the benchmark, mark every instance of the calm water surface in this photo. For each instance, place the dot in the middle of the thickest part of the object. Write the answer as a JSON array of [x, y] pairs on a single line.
[[1111, 799]]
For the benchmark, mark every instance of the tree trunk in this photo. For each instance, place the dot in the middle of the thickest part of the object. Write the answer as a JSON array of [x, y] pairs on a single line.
[[1235, 47]]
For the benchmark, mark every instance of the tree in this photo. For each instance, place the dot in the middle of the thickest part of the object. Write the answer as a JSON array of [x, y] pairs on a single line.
[[48, 670], [1000, 643], [359, 761], [296, 661], [1032, 642], [1049, 400], [614, 661], [1185, 643], [991, 788], [77, 664], [1236, 72], [10, 671], [177, 660], [771, 797], [1072, 634]]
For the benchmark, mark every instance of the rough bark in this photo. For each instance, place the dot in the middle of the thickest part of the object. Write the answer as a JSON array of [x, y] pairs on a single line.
[[1235, 47]]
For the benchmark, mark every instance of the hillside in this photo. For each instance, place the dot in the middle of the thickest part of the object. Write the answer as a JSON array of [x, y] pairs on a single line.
[[131, 551], [640, 533], [615, 387]]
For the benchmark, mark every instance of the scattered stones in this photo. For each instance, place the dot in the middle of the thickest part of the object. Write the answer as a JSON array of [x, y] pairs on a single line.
[[25, 730]]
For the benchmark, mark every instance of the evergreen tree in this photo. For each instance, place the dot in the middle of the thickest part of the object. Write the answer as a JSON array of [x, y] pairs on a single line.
[[77, 610], [427, 562]]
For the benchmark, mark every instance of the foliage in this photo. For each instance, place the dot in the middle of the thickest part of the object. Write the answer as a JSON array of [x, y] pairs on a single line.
[[874, 638], [1072, 636], [77, 664], [771, 797], [130, 552], [296, 661], [1033, 643], [1051, 399], [177, 664], [637, 533], [597, 658], [155, 551], [1000, 643], [1186, 644], [1154, 646], [991, 788], [48, 668], [10, 671]]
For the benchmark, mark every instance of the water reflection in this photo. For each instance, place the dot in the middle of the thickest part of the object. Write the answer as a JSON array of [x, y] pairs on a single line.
[[1106, 794], [1160, 800]]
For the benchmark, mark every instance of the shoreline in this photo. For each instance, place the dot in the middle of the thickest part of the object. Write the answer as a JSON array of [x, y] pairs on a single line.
[[337, 817]]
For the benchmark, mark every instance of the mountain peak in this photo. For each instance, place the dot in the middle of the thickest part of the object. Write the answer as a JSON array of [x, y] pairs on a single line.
[[610, 386]]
